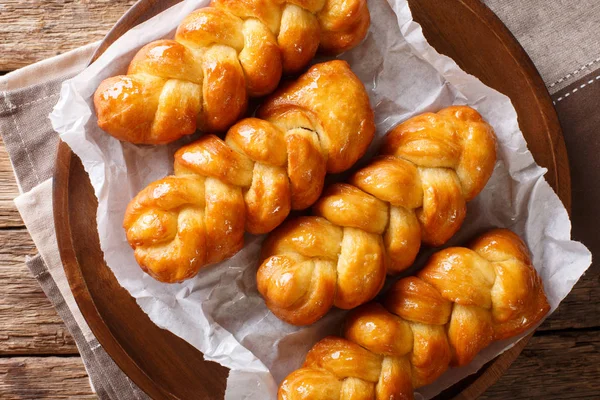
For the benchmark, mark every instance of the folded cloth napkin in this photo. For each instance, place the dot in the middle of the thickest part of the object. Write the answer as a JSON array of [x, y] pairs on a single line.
[[548, 32], [26, 98]]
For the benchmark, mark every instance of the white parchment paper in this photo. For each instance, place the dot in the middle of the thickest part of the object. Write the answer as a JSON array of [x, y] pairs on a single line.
[[219, 311]]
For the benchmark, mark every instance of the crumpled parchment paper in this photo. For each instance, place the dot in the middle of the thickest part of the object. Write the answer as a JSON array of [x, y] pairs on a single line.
[[219, 311]]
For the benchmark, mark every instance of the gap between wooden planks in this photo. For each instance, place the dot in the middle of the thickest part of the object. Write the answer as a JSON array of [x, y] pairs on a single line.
[[552, 366], [32, 30], [44, 378]]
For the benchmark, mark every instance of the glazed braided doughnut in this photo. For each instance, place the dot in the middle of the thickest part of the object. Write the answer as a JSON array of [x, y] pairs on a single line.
[[250, 181], [417, 191], [461, 302], [220, 55]]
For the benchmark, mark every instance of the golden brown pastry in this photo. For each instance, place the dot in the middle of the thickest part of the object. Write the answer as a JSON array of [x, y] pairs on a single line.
[[431, 165], [265, 167], [221, 55], [462, 301]]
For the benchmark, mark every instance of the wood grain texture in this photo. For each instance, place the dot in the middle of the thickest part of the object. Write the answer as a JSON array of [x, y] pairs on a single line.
[[16, 245], [30, 325], [28, 322], [557, 366], [44, 378], [32, 30], [553, 366], [581, 308]]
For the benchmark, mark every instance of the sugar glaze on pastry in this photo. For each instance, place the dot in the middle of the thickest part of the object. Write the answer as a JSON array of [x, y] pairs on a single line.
[[221, 55], [265, 167], [462, 301], [416, 191]]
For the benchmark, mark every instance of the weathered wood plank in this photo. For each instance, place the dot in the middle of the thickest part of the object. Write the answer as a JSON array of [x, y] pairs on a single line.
[[32, 30], [30, 325], [16, 245], [554, 366], [581, 308], [44, 378], [9, 216], [28, 322]]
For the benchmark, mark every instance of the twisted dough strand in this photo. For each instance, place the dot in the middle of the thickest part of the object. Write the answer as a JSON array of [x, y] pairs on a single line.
[[250, 181], [220, 55], [462, 301], [417, 191]]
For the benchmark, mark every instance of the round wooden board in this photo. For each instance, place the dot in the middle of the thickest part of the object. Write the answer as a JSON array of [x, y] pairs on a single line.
[[165, 366]]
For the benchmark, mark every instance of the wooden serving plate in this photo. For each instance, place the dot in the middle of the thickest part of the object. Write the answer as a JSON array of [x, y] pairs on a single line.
[[165, 366]]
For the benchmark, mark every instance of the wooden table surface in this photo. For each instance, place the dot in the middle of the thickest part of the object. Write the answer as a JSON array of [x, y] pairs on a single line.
[[38, 357]]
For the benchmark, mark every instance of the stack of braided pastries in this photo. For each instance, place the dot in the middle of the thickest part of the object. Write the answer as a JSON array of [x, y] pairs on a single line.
[[221, 55], [250, 181], [463, 300], [414, 192]]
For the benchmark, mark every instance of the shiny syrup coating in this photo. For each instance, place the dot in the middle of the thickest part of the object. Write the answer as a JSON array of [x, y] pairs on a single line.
[[221, 55], [250, 181], [415, 192], [463, 300]]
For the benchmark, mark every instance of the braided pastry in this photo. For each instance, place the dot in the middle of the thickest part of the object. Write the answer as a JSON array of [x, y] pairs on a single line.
[[251, 181], [462, 301], [221, 55], [417, 191]]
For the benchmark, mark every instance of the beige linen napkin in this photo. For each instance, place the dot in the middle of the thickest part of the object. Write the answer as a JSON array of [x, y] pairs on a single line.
[[560, 37], [27, 97]]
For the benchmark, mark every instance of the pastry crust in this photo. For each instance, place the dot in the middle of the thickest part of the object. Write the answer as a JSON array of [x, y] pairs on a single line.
[[221, 55], [416, 191], [250, 181], [461, 302]]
